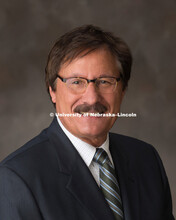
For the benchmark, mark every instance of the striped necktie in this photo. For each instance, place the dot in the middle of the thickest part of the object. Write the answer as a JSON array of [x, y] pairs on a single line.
[[108, 183]]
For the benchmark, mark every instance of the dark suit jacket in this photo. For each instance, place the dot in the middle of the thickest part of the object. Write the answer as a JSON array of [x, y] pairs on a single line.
[[47, 179]]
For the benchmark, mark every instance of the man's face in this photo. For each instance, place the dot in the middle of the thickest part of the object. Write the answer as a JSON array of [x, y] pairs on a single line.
[[98, 63]]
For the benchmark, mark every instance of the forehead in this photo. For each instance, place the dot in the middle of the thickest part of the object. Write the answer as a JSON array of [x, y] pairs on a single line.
[[98, 61]]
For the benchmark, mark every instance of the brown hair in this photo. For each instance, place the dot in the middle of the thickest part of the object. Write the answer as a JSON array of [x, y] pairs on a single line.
[[86, 39]]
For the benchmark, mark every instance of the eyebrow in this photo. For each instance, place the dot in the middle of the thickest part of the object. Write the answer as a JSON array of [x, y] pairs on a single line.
[[102, 75]]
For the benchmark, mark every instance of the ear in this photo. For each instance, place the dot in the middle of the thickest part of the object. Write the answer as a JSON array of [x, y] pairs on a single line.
[[122, 94], [52, 94]]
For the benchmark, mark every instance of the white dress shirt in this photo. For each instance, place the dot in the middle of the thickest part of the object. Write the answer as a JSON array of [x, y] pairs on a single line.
[[87, 151]]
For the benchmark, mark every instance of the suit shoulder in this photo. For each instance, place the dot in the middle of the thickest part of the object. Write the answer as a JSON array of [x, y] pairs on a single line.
[[138, 151], [131, 143], [31, 161], [31, 146]]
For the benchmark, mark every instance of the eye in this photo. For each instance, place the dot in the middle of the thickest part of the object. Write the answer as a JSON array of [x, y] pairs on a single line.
[[104, 82], [77, 81], [108, 81]]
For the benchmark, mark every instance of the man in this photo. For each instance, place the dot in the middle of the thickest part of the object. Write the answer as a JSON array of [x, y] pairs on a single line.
[[76, 169]]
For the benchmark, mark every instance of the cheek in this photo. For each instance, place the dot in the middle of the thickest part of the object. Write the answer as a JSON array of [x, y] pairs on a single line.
[[66, 102], [114, 102]]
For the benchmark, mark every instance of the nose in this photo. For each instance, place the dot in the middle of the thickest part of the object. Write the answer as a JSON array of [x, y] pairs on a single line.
[[91, 95]]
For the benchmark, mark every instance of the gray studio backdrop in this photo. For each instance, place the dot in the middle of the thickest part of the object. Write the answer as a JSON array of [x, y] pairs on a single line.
[[28, 29]]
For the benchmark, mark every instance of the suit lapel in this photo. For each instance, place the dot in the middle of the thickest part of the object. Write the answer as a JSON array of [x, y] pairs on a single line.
[[127, 182], [83, 187], [81, 183]]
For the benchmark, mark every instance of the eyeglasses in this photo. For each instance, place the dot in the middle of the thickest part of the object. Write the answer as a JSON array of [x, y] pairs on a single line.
[[103, 84]]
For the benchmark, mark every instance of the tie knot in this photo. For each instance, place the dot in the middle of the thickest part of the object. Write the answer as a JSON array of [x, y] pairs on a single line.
[[100, 156]]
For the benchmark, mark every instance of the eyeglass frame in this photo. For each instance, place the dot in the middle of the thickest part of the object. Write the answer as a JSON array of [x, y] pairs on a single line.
[[90, 80]]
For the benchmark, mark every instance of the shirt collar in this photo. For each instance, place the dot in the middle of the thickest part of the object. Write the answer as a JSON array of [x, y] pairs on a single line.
[[85, 150]]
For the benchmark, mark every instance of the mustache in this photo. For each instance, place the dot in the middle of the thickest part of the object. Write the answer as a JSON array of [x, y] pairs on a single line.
[[97, 107]]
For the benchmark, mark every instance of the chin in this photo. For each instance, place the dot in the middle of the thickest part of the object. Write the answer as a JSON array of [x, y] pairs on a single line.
[[96, 125], [93, 132]]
